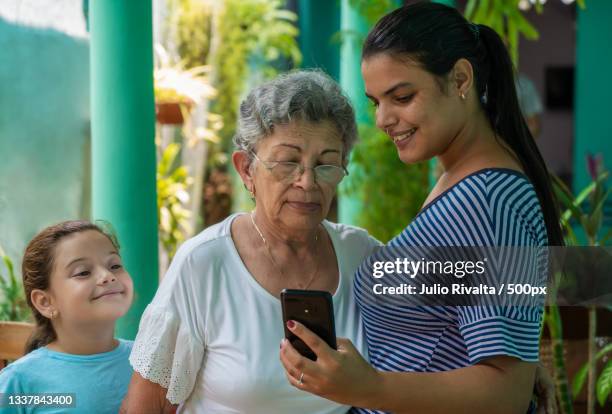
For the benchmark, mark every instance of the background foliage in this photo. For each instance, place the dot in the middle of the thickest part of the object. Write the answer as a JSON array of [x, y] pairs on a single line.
[[390, 192], [246, 27], [13, 306]]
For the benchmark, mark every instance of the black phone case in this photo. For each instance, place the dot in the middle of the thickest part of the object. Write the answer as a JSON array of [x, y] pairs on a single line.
[[315, 310]]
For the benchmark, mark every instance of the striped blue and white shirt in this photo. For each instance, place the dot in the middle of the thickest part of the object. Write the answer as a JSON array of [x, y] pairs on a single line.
[[491, 207]]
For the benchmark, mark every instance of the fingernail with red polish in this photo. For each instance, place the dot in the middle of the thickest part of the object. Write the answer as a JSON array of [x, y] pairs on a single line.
[[290, 324]]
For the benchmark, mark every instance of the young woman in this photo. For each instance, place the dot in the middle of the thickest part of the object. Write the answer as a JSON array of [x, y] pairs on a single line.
[[444, 88], [77, 288]]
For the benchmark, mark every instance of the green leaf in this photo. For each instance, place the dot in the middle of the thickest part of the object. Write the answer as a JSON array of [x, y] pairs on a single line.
[[594, 219], [539, 6], [566, 200], [469, 9], [581, 375], [286, 15], [525, 27], [601, 199], [9, 265], [604, 384], [496, 22], [513, 34], [579, 379], [598, 193], [601, 178], [603, 351], [495, 15], [584, 193], [13, 305], [482, 10], [554, 321]]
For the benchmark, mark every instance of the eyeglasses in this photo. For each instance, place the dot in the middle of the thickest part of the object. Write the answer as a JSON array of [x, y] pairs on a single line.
[[288, 171]]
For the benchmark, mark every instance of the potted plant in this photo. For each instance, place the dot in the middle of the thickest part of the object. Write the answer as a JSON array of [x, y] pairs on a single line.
[[178, 89], [587, 212]]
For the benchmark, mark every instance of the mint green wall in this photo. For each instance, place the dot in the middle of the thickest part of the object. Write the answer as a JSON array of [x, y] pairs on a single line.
[[44, 130], [593, 89]]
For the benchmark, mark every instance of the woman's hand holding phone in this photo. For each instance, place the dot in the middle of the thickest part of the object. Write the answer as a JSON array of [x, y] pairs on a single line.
[[314, 309], [341, 375]]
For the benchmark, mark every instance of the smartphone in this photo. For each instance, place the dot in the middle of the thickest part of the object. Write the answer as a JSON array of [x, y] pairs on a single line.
[[315, 310]]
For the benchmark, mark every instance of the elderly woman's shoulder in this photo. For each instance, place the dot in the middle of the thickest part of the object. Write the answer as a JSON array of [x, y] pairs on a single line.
[[352, 235], [210, 241]]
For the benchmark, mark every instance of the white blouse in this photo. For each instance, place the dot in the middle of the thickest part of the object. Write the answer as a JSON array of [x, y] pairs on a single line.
[[211, 336]]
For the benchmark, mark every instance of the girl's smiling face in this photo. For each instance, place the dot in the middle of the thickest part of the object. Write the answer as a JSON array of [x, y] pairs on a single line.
[[88, 283], [419, 113]]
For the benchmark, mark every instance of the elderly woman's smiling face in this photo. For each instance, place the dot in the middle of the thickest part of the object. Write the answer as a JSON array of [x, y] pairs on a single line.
[[302, 201]]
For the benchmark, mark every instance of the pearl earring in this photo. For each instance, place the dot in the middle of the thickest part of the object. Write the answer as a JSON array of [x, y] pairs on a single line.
[[463, 96]]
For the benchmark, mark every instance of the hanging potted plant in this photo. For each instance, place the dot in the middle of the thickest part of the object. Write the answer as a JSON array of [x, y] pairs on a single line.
[[178, 89]]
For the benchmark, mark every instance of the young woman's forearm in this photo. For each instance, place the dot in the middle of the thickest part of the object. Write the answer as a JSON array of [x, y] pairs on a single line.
[[500, 385]]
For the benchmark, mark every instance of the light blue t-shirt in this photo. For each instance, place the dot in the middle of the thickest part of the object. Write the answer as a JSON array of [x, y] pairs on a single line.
[[98, 382]]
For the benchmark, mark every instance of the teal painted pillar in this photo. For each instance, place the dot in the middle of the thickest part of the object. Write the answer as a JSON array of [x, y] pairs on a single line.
[[319, 23], [123, 147], [593, 131], [355, 28]]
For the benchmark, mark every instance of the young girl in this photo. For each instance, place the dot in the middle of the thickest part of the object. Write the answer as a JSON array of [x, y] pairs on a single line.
[[77, 288], [444, 87]]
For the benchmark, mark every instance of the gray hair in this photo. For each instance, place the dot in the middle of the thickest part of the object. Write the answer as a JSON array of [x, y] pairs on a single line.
[[305, 95]]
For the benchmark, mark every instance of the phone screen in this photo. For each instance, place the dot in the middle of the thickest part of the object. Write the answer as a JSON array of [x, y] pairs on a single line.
[[312, 308]]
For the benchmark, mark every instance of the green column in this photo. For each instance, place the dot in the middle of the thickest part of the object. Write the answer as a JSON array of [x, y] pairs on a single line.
[[123, 148], [592, 89], [354, 28], [319, 22]]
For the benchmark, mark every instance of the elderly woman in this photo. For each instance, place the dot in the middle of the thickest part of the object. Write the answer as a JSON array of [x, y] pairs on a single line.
[[209, 340]]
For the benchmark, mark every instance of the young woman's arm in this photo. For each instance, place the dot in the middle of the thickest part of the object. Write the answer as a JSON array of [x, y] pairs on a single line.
[[499, 384], [145, 396]]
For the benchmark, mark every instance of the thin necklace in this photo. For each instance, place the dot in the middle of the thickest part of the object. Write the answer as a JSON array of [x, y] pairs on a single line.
[[275, 264]]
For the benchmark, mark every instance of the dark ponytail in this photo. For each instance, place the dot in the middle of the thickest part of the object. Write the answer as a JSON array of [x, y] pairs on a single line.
[[36, 269], [505, 114], [438, 36]]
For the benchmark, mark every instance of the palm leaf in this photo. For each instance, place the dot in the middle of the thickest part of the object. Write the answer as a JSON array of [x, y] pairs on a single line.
[[581, 375]]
